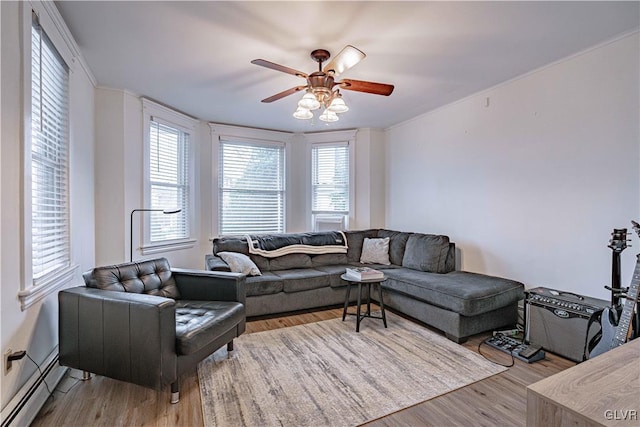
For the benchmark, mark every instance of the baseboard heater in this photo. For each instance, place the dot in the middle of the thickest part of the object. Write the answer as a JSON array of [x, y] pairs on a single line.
[[24, 397]]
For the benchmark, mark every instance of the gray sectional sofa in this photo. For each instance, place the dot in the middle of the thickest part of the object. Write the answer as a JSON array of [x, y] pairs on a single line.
[[421, 282]]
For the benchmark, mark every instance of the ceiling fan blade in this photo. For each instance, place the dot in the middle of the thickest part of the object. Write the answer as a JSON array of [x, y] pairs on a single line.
[[368, 87], [347, 58], [279, 67], [284, 93]]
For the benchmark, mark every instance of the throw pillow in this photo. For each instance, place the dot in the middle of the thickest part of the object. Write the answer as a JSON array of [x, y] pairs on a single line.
[[426, 252], [240, 263], [375, 251]]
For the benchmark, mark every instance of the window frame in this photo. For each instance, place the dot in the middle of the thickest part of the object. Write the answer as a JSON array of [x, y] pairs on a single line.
[[33, 290], [152, 111], [248, 136], [345, 137], [341, 144], [254, 144]]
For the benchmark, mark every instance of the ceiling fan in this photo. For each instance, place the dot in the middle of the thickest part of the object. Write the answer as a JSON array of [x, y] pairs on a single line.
[[320, 84]]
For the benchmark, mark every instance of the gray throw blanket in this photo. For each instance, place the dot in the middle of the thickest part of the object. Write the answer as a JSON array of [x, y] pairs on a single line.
[[275, 245]]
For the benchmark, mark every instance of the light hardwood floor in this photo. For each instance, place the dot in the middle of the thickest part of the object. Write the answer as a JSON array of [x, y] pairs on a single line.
[[496, 401]]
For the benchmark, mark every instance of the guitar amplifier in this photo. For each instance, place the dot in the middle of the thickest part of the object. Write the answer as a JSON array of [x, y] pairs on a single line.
[[559, 321]]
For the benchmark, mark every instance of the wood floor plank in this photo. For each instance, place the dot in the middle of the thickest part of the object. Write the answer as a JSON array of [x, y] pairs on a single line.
[[498, 400]]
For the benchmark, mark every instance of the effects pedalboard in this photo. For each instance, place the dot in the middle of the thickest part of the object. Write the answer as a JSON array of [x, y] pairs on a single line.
[[526, 353]]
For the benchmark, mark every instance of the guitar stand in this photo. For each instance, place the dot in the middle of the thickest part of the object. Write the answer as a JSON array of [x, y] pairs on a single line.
[[618, 295], [621, 294], [617, 292]]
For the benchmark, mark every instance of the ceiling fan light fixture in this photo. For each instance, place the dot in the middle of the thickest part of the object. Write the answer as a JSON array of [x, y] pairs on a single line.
[[328, 116], [321, 88], [303, 114], [309, 102], [337, 105]]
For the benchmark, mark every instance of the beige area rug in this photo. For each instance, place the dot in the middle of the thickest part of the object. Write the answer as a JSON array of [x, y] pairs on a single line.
[[326, 374]]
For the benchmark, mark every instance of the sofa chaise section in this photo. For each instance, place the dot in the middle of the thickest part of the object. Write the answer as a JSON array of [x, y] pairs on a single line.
[[459, 303]]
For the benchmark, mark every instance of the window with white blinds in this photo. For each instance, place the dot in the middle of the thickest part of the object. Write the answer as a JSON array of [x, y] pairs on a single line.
[[168, 182], [330, 179], [50, 236], [252, 190]]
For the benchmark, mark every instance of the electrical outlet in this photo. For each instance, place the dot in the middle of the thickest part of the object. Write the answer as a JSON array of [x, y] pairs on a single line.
[[6, 361]]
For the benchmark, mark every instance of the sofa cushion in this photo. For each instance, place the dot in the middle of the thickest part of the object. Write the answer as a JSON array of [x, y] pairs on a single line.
[[302, 279], [199, 323], [334, 272], [240, 263], [287, 262], [230, 244], [462, 292], [355, 239], [397, 244], [151, 277], [329, 259], [426, 252], [261, 262], [268, 283]]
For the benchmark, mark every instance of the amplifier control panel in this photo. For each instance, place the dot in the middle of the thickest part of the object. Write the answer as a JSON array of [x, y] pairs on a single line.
[[577, 304]]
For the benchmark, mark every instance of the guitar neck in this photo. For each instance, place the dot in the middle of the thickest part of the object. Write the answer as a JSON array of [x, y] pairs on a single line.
[[624, 324]]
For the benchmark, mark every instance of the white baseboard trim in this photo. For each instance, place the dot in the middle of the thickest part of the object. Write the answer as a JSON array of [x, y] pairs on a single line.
[[31, 405]]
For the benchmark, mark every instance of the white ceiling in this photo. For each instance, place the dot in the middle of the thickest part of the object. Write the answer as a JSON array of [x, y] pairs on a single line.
[[195, 56]]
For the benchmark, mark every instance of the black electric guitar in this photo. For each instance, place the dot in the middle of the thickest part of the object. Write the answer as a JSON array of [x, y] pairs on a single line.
[[614, 333]]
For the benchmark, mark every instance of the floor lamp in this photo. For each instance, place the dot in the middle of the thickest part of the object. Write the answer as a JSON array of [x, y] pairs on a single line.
[[164, 211]]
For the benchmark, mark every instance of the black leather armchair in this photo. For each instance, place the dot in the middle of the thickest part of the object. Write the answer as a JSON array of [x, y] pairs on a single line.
[[146, 323]]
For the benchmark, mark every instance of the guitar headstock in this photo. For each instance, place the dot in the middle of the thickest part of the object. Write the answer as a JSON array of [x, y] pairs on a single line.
[[636, 227], [618, 240]]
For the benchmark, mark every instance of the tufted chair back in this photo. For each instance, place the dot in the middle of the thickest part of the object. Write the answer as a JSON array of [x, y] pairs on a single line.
[[151, 277]]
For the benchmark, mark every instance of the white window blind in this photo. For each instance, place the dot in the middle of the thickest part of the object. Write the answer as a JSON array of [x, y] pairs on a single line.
[[50, 242], [330, 179], [251, 181], [168, 181]]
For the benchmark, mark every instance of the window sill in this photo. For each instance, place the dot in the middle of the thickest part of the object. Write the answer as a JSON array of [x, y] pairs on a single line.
[[45, 287], [169, 246]]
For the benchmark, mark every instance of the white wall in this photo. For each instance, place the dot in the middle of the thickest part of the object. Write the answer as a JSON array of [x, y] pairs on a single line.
[[369, 180], [119, 182], [530, 185], [109, 179], [36, 328]]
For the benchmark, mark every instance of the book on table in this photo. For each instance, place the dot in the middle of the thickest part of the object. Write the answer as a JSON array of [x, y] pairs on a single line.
[[364, 273]]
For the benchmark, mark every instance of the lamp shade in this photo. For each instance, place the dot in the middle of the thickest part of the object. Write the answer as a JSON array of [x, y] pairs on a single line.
[[309, 102], [328, 116], [171, 211], [303, 114], [338, 105]]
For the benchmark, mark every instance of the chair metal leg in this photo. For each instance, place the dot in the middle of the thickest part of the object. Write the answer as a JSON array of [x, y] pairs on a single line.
[[175, 392], [86, 375]]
